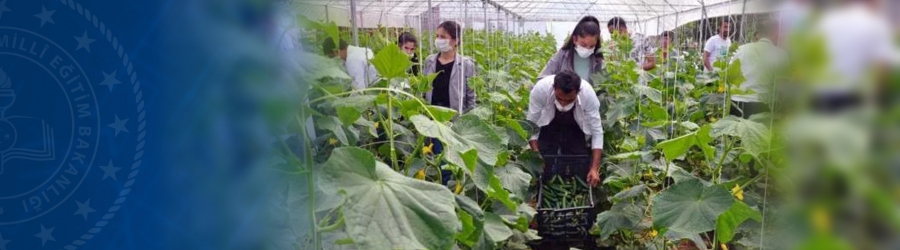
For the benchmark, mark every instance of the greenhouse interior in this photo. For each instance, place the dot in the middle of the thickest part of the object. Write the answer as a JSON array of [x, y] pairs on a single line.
[[594, 124]]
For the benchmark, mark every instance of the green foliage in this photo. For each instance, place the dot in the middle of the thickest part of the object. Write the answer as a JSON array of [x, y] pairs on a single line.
[[666, 156], [391, 63], [420, 214], [729, 221], [690, 207]]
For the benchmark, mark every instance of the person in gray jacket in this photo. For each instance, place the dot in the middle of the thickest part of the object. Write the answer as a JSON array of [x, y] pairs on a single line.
[[451, 86], [581, 53]]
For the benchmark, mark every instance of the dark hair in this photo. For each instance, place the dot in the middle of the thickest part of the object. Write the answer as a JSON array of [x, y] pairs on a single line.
[[328, 47], [406, 37], [668, 34], [724, 20], [588, 26], [567, 81], [617, 22], [452, 28]]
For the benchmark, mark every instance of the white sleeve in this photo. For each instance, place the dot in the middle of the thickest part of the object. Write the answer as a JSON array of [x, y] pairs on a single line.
[[709, 47], [357, 72], [592, 112], [536, 104]]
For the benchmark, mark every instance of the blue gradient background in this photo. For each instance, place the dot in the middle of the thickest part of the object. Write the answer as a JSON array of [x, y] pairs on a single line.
[[208, 72]]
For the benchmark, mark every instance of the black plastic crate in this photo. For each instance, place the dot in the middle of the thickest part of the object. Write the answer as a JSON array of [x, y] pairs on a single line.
[[565, 224]]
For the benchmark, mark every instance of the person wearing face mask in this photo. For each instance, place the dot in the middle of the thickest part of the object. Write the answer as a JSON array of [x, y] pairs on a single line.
[[408, 45], [568, 113], [450, 88], [580, 54]]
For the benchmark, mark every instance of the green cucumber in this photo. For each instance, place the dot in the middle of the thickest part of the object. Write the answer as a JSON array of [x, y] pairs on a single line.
[[583, 184]]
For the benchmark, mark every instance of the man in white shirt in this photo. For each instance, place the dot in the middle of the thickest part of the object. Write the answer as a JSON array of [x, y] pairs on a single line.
[[760, 61], [568, 112], [356, 61], [716, 47]]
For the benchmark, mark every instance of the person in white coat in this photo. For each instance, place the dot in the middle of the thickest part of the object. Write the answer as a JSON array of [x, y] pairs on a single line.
[[760, 61], [567, 111], [356, 62]]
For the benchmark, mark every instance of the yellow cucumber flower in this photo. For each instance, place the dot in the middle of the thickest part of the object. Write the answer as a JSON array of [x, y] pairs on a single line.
[[420, 174], [737, 192]]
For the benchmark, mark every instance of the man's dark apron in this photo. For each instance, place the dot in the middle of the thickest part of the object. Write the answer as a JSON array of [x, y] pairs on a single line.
[[563, 136]]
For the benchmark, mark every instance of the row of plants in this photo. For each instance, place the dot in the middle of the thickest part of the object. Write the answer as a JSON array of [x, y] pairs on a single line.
[[677, 171]]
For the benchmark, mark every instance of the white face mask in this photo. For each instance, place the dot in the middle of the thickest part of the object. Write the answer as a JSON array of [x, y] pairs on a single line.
[[442, 45], [583, 52], [562, 108]]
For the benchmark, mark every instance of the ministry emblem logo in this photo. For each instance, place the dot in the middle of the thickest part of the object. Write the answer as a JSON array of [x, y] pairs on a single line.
[[72, 125]]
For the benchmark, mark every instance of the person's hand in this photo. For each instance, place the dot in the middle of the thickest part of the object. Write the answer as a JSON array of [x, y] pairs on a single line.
[[593, 178], [534, 146]]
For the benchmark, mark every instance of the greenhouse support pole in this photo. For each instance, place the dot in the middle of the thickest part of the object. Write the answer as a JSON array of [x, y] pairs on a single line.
[[743, 22], [354, 28], [419, 48], [430, 25], [327, 18], [508, 41], [487, 28], [462, 80]]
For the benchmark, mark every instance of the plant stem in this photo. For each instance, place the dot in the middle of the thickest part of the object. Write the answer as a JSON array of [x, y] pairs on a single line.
[[719, 166], [390, 132], [311, 185]]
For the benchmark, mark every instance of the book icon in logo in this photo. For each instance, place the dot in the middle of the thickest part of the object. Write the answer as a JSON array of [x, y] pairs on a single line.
[[24, 138]]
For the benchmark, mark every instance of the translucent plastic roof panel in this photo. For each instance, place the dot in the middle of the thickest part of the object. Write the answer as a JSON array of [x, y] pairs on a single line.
[[649, 16], [533, 10]]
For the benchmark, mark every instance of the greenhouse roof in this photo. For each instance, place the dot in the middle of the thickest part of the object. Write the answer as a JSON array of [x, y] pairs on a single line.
[[668, 13]]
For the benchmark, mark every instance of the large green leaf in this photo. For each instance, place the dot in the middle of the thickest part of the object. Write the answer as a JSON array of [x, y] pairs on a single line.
[[495, 229], [630, 192], [468, 133], [514, 179], [390, 62], [348, 115], [653, 94], [754, 135], [677, 147], [733, 75], [333, 124], [499, 193], [410, 108], [482, 112], [470, 206], [386, 210], [315, 67], [623, 215], [731, 219], [690, 207]]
